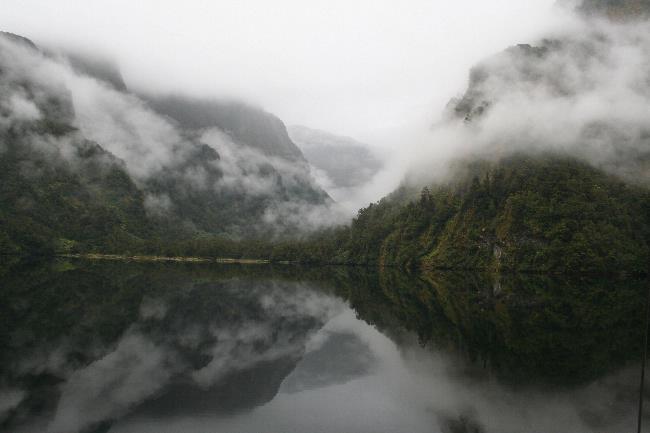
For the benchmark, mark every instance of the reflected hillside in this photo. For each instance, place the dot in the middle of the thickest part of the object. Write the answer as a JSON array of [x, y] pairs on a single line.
[[523, 328], [86, 343]]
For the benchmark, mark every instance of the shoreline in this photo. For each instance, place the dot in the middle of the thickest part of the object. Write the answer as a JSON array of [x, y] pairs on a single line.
[[145, 258]]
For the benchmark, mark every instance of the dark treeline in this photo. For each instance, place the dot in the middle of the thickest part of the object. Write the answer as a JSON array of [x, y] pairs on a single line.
[[545, 214], [535, 214]]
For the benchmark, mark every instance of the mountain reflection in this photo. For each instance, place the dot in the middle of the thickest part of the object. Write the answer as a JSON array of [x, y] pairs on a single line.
[[524, 328], [99, 346], [103, 339]]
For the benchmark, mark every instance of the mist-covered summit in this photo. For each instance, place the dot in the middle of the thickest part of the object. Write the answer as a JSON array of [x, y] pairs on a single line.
[[542, 164], [75, 141], [346, 162], [583, 93]]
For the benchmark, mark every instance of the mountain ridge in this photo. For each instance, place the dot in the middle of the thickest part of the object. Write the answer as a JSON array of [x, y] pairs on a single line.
[[176, 183]]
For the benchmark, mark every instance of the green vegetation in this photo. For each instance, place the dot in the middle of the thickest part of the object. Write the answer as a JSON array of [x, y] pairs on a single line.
[[48, 206], [536, 214], [63, 194], [545, 214]]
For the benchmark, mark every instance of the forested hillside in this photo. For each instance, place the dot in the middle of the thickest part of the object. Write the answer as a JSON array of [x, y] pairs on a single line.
[[88, 166], [539, 214]]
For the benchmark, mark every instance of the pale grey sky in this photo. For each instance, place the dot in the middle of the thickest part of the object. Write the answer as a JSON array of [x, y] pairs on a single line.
[[354, 67]]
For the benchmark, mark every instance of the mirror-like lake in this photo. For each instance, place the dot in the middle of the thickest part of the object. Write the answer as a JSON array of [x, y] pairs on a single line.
[[148, 347]]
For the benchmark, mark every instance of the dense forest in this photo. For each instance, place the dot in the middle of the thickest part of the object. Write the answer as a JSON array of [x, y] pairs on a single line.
[[538, 214], [541, 214]]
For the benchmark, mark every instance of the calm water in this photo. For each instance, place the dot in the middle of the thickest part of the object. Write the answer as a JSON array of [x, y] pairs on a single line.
[[118, 347]]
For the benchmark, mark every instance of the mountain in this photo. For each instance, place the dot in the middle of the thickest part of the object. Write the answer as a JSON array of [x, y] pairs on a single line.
[[56, 187], [568, 94], [88, 165], [248, 125], [346, 162], [548, 214], [550, 168], [50, 205]]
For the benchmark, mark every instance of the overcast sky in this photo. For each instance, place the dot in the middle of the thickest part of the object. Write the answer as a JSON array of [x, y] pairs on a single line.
[[354, 67]]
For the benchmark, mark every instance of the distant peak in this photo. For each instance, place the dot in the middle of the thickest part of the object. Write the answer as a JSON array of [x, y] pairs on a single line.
[[18, 39]]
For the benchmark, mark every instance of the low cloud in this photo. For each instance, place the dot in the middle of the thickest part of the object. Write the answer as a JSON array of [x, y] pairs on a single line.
[[153, 148], [583, 91]]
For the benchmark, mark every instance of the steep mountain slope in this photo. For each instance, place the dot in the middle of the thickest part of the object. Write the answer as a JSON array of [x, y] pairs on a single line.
[[56, 187], [582, 94], [543, 214], [49, 204], [346, 162], [89, 166], [258, 175]]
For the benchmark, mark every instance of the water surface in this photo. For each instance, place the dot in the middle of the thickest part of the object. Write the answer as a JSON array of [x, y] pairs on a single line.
[[128, 347]]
